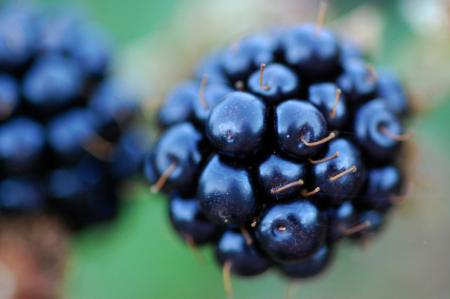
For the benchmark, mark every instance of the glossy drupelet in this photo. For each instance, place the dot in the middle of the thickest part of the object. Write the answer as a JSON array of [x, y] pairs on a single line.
[[179, 150], [325, 96], [237, 125], [66, 143], [244, 258], [226, 194], [297, 121], [292, 231], [281, 178], [188, 220], [279, 82], [298, 142], [333, 187]]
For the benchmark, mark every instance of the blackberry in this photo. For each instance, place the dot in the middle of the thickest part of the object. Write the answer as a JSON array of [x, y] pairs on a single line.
[[67, 135], [283, 82], [287, 142]]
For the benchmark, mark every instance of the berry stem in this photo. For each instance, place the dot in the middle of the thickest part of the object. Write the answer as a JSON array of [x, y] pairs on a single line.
[[306, 193], [336, 102], [397, 137], [201, 92], [326, 159], [281, 228], [247, 237], [352, 169], [399, 199], [357, 228], [290, 290], [99, 147], [163, 178], [196, 252], [365, 243], [372, 72], [261, 77], [331, 136], [226, 273], [321, 16], [276, 190]]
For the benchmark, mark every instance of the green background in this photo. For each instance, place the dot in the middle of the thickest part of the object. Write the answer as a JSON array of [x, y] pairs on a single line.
[[139, 256]]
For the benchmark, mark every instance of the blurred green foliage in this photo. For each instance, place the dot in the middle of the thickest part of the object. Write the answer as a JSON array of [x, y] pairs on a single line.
[[128, 20]]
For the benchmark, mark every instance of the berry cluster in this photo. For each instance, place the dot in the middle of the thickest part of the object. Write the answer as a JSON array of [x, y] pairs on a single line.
[[284, 143], [66, 140]]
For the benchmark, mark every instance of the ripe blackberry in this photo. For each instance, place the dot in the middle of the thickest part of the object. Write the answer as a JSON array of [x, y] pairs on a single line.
[[287, 142], [66, 142]]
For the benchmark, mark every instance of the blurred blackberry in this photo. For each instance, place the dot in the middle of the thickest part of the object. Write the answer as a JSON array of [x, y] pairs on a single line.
[[67, 133], [288, 140]]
